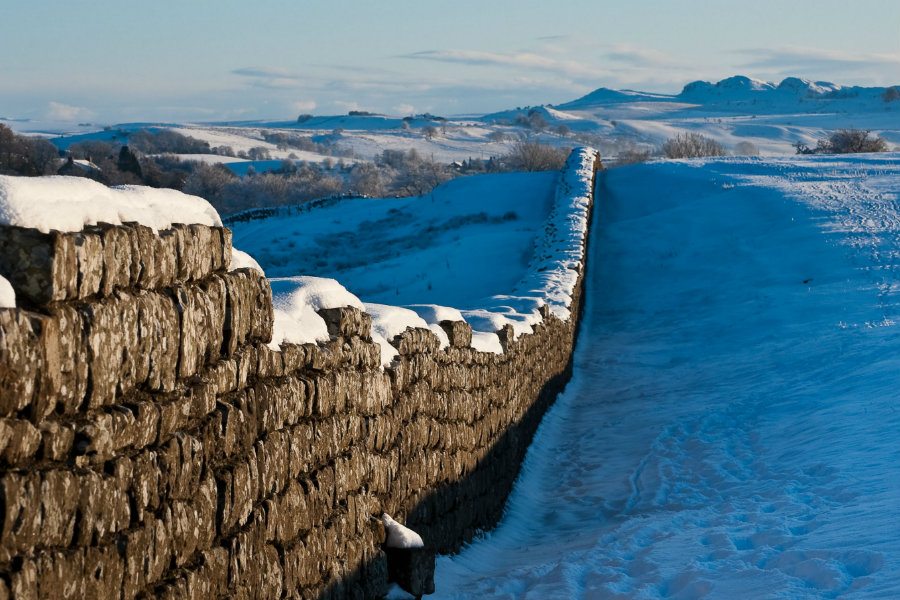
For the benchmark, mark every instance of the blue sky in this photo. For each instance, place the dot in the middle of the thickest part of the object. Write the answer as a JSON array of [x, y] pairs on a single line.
[[114, 61]]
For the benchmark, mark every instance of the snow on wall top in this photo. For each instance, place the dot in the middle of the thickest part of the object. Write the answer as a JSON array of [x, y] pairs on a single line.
[[69, 203], [7, 294], [550, 279]]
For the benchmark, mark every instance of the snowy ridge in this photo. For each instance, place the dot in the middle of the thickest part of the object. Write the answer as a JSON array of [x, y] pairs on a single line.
[[549, 280], [69, 203]]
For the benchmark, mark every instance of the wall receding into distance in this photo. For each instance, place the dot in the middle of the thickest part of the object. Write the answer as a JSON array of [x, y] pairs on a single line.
[[153, 445]]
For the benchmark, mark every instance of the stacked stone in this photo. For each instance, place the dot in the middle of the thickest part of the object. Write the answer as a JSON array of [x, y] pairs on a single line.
[[103, 371], [153, 446]]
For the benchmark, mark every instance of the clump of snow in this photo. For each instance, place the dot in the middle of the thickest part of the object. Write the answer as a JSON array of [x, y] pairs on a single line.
[[390, 321], [296, 301], [70, 203], [433, 315], [486, 342], [242, 260], [400, 536], [7, 294]]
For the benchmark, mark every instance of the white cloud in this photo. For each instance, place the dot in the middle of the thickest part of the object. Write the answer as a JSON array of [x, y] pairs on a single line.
[[524, 60], [57, 111], [347, 106], [303, 105], [405, 109], [269, 77], [840, 66], [639, 56]]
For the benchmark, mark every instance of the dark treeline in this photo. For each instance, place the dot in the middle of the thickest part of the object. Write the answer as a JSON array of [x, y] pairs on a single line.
[[147, 157], [21, 155]]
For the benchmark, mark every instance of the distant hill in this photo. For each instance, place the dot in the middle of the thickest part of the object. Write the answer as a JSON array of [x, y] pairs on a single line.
[[741, 90]]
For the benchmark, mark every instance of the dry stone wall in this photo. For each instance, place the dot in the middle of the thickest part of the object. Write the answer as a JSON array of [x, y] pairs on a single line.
[[153, 446]]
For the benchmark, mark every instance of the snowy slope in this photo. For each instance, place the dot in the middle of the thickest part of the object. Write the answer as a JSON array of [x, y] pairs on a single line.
[[465, 245], [471, 238], [731, 427]]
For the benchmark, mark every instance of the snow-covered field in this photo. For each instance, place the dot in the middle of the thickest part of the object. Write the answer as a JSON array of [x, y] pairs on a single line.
[[731, 429], [471, 238]]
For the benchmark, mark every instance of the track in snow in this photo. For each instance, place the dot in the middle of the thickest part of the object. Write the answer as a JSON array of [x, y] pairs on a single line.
[[732, 428]]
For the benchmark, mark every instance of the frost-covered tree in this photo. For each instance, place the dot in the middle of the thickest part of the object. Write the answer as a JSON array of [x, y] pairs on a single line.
[[846, 141], [530, 155], [368, 180], [691, 145], [429, 132]]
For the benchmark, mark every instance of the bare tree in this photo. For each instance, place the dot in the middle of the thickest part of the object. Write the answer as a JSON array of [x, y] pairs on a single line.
[[845, 141], [429, 132], [691, 145], [528, 155], [367, 179]]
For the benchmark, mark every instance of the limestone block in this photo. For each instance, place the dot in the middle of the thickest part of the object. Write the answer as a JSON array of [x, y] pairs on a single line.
[[159, 333], [249, 315], [21, 511], [61, 575], [19, 441], [24, 581], [57, 440], [104, 571], [347, 322], [40, 266], [104, 508], [416, 340], [20, 359], [201, 307], [99, 260]]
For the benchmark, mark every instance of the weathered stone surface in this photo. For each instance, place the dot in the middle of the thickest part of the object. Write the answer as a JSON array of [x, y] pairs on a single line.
[[416, 341], [55, 266], [249, 314], [347, 322], [40, 266], [19, 441], [458, 332], [20, 359]]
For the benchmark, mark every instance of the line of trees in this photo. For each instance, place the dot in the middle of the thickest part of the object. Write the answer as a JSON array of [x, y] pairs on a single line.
[[29, 156]]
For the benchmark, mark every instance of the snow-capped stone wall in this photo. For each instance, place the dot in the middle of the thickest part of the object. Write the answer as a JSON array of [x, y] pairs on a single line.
[[154, 444]]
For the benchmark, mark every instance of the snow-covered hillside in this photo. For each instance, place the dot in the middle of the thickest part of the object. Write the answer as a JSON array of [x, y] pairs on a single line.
[[493, 250], [469, 239], [771, 116], [731, 430], [737, 109]]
